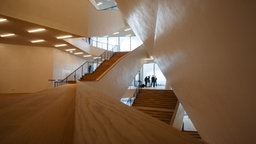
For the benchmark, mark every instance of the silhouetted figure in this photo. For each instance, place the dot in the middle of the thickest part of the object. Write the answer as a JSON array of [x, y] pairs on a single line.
[[147, 81], [153, 81]]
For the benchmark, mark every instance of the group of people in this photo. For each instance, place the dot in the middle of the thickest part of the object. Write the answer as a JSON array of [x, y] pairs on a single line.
[[153, 81]]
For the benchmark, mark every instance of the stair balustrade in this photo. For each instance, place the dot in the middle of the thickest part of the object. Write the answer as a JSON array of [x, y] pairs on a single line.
[[86, 67]]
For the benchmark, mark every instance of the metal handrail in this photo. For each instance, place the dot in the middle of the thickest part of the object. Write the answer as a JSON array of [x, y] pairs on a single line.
[[84, 68], [137, 91]]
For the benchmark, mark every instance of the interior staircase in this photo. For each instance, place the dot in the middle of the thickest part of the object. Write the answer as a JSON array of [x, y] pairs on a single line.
[[159, 104], [104, 67], [194, 134]]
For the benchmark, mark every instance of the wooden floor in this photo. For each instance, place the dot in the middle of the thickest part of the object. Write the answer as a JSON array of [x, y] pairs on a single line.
[[79, 115], [46, 117]]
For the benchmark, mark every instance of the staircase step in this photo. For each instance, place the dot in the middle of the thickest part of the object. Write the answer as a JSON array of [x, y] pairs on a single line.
[[103, 68], [194, 134], [159, 104]]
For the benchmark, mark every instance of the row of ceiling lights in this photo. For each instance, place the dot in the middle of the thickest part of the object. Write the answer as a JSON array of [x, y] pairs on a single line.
[[42, 40], [35, 31]]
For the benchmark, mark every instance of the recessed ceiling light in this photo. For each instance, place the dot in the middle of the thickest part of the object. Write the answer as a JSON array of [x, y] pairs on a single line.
[[60, 45], [128, 29], [70, 49], [36, 30], [64, 36], [37, 41], [78, 53], [87, 55], [100, 3], [128, 35], [151, 58], [7, 35], [3, 19], [96, 57], [115, 33]]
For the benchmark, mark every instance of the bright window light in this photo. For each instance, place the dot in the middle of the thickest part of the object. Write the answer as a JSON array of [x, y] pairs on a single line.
[[3, 19], [36, 30], [37, 41], [7, 35], [60, 45], [64, 36]]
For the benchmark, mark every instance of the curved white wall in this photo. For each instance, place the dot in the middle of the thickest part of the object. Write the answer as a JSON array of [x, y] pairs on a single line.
[[206, 51]]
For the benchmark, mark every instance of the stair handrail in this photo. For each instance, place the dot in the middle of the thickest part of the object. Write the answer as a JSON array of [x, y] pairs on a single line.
[[74, 76], [138, 86], [135, 94]]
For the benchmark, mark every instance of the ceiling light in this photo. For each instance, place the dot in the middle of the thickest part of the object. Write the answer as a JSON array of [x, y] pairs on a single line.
[[64, 36], [37, 41], [36, 30], [3, 19], [96, 57], [128, 29], [87, 55], [60, 45], [115, 33], [128, 35], [100, 3], [70, 49], [7, 35], [151, 58], [78, 53]]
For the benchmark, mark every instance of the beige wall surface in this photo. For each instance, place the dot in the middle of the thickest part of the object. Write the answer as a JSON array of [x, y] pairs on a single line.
[[64, 64], [24, 69], [206, 50], [65, 15]]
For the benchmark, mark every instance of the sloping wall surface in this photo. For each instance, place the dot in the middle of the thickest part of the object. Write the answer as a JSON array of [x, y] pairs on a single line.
[[103, 119], [206, 50], [100, 117]]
